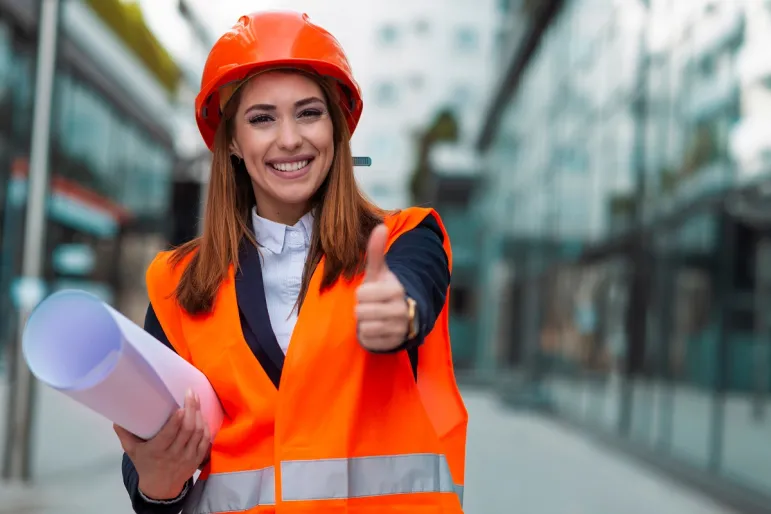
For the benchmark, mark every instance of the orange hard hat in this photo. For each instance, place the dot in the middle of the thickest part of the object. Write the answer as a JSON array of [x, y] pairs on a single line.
[[272, 39]]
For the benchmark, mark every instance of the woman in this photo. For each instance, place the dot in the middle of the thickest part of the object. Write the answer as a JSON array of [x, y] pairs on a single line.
[[298, 280]]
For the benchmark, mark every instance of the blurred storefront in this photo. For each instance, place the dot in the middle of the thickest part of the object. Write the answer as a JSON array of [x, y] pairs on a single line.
[[112, 154], [626, 195]]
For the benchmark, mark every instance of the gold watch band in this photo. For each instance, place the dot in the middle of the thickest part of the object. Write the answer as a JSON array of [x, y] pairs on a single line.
[[413, 318]]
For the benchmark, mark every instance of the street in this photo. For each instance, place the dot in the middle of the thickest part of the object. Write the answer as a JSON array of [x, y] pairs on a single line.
[[517, 462]]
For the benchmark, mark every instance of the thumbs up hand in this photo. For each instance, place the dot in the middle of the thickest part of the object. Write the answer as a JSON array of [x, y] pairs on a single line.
[[381, 310]]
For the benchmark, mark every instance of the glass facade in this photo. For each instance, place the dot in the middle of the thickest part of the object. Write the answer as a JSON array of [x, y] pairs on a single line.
[[638, 289], [96, 145], [107, 169]]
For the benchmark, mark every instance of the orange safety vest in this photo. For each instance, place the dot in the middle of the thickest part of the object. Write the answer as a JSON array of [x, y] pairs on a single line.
[[351, 433]]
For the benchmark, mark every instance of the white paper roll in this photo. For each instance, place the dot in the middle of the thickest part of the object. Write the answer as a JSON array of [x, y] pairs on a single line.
[[82, 347]]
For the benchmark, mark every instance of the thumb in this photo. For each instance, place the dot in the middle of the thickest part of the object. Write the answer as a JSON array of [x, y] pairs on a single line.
[[127, 440], [376, 253]]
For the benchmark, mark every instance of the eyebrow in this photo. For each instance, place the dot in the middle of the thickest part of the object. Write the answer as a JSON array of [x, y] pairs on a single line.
[[297, 104]]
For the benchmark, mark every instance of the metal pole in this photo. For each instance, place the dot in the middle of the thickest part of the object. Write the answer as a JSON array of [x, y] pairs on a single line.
[[22, 391]]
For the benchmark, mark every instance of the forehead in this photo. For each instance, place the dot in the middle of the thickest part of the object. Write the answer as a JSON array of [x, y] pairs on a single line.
[[279, 88]]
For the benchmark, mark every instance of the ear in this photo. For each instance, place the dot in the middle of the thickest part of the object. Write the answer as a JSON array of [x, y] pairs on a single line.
[[235, 150]]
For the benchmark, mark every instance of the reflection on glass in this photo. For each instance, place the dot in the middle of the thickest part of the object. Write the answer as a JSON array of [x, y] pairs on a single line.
[[107, 151], [692, 352], [747, 426], [583, 339]]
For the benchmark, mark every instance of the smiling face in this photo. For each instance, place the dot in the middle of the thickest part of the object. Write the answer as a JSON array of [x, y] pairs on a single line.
[[283, 131]]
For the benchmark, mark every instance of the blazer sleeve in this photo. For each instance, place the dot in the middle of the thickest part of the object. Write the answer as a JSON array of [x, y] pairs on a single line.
[[419, 261], [139, 503]]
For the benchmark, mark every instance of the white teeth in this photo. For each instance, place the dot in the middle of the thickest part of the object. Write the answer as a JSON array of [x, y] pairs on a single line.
[[290, 166]]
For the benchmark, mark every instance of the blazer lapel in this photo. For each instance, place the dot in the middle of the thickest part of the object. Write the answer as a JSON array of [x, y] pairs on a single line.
[[250, 295]]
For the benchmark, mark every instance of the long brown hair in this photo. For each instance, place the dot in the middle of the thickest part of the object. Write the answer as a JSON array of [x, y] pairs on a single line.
[[343, 217]]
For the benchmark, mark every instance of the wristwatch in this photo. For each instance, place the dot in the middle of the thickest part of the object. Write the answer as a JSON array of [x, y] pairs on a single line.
[[413, 324]]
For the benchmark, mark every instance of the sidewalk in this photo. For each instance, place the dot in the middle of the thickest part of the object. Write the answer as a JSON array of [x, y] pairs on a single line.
[[517, 463], [76, 462]]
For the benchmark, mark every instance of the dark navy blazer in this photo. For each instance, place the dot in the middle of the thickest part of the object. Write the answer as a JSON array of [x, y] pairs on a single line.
[[418, 260]]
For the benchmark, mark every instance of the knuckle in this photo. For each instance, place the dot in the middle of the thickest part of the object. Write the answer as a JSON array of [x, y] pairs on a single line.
[[185, 433], [189, 424]]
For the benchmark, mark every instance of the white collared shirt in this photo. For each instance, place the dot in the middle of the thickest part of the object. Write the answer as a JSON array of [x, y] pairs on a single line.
[[283, 250]]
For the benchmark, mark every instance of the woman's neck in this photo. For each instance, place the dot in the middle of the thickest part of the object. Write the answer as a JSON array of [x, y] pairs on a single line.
[[287, 215]]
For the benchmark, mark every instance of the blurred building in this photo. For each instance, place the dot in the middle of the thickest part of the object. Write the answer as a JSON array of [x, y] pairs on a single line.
[[412, 59], [624, 217], [112, 151], [427, 56], [188, 38]]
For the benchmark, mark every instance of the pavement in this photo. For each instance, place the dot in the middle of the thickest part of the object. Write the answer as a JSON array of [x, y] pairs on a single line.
[[517, 462], [76, 462]]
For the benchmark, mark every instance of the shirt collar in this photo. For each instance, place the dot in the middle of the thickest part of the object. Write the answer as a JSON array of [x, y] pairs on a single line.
[[271, 234]]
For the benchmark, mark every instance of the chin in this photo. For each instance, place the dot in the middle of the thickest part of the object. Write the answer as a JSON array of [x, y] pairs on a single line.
[[295, 195]]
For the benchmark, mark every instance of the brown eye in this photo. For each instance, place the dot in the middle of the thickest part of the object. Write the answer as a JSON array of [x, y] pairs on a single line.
[[260, 118], [311, 113]]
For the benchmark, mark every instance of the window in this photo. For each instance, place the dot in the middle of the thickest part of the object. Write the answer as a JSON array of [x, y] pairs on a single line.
[[6, 60], [23, 86], [83, 126], [461, 96], [385, 93], [387, 35], [107, 152], [707, 66], [466, 39]]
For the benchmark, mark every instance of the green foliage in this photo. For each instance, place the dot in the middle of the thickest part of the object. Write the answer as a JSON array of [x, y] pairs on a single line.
[[622, 204], [444, 128]]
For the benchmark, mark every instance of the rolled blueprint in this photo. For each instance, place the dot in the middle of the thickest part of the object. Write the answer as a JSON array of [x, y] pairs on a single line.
[[82, 347]]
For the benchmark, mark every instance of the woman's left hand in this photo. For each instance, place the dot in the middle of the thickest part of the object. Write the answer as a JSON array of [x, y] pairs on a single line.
[[381, 310]]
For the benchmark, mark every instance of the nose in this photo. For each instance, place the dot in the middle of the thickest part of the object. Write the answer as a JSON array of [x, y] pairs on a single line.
[[289, 137]]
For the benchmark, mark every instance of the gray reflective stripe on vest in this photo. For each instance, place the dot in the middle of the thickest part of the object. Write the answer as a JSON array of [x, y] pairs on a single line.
[[232, 492], [365, 476], [459, 491], [323, 480]]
